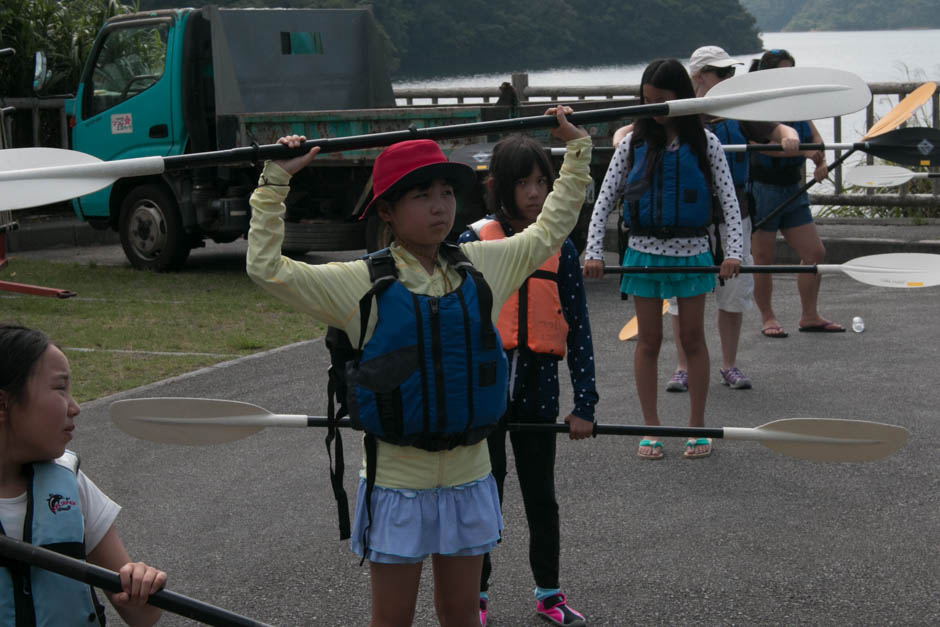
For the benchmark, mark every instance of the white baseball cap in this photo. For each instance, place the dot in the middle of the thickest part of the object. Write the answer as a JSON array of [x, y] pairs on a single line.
[[710, 56]]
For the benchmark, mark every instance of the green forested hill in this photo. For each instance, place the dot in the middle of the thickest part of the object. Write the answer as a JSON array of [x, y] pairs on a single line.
[[804, 15], [429, 37]]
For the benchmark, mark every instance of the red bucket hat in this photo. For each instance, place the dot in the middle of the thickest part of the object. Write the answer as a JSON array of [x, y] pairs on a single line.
[[412, 162]]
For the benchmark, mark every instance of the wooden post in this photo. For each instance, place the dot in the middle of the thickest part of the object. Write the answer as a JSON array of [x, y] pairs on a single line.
[[64, 127], [520, 82]]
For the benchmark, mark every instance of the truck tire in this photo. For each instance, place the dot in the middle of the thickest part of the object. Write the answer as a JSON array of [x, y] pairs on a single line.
[[152, 231], [378, 235], [300, 237]]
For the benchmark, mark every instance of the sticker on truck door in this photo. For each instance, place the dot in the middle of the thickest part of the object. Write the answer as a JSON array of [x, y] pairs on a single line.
[[121, 123]]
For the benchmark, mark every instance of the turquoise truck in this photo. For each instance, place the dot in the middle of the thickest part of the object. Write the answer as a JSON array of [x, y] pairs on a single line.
[[181, 81]]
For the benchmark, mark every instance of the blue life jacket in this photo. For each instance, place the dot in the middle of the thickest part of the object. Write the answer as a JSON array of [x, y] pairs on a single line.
[[782, 170], [729, 133], [33, 596], [673, 200], [433, 374]]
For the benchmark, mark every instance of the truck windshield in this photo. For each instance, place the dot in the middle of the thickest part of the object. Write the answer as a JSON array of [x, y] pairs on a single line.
[[129, 61]]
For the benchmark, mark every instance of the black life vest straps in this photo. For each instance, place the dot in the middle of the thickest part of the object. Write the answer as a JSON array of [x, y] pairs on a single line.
[[381, 268]]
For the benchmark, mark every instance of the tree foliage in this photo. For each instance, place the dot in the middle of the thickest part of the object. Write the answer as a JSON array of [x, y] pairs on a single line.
[[805, 15], [476, 36], [64, 30]]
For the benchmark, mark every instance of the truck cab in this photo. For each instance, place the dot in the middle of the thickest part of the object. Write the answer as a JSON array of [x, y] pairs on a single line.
[[196, 80]]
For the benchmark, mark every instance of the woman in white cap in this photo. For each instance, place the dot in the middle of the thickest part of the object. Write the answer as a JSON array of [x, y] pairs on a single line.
[[708, 66]]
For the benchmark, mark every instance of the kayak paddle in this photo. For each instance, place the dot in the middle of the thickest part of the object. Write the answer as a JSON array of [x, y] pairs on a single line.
[[887, 270], [908, 146], [891, 120], [105, 579], [212, 421], [36, 176], [884, 176], [630, 330]]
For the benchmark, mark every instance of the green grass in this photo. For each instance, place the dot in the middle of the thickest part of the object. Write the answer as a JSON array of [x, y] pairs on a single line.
[[119, 309]]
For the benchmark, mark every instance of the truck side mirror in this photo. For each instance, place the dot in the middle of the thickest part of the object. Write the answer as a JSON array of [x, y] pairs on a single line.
[[40, 72]]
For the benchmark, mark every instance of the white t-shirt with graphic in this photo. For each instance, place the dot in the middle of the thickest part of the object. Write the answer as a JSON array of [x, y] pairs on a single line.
[[98, 510]]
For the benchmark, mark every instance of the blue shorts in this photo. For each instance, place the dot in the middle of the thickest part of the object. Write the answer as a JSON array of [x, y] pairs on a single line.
[[670, 284], [409, 525], [768, 197]]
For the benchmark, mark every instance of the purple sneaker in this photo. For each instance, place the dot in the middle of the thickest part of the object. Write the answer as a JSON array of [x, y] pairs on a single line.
[[482, 612], [734, 378], [679, 382], [555, 609]]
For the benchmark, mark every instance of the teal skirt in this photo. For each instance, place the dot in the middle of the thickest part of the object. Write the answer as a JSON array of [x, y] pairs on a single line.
[[673, 284]]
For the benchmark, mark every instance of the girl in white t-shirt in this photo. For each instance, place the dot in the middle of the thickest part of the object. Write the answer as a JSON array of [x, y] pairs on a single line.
[[37, 417]]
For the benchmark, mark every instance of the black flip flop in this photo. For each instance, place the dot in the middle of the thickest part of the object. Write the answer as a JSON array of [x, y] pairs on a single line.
[[829, 327]]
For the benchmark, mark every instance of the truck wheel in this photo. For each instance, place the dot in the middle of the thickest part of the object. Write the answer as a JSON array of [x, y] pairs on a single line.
[[378, 235], [152, 231]]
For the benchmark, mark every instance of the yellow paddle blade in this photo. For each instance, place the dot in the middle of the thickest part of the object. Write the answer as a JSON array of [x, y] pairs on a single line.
[[630, 330], [902, 111]]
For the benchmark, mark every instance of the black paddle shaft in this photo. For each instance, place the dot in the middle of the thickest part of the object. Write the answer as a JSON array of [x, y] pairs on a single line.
[[257, 154], [563, 427], [108, 580], [709, 270]]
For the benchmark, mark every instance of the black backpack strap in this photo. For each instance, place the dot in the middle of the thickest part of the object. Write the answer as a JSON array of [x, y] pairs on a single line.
[[371, 448], [334, 436], [382, 273], [381, 268]]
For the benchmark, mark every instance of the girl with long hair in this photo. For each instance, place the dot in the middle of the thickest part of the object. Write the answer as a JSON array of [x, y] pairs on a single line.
[[667, 170]]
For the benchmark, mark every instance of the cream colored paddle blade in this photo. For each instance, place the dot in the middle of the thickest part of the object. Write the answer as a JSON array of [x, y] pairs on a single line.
[[826, 440], [188, 421], [878, 176], [902, 111], [895, 269]]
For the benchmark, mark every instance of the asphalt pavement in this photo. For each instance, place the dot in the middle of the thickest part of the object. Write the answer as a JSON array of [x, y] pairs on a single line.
[[745, 537]]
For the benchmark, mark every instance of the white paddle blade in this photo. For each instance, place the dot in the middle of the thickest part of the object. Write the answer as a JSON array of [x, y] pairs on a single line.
[[198, 421], [895, 269], [878, 176], [798, 93], [826, 440], [30, 177]]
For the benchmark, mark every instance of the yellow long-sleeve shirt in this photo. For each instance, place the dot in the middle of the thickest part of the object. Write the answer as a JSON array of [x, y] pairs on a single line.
[[331, 292]]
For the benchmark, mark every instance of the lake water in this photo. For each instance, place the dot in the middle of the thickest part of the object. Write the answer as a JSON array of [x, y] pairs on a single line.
[[876, 56]]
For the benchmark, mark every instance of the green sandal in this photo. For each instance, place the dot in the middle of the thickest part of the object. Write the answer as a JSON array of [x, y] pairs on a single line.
[[692, 443], [657, 452]]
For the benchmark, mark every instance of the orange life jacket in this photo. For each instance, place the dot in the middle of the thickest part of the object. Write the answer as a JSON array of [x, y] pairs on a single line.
[[542, 322]]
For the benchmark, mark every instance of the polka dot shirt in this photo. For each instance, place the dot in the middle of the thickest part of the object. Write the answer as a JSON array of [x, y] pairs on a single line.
[[533, 379], [612, 189]]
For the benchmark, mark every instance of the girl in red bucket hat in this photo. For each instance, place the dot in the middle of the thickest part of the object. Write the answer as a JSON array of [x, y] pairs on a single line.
[[428, 354]]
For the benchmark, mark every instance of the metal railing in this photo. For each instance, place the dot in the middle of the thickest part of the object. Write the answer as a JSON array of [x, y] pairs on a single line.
[[528, 93]]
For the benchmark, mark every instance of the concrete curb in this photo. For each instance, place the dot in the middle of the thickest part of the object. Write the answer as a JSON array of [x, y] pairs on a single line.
[[60, 233]]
